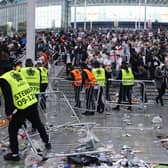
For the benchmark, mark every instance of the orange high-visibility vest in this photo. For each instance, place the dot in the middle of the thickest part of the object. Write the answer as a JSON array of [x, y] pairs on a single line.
[[77, 78], [91, 81]]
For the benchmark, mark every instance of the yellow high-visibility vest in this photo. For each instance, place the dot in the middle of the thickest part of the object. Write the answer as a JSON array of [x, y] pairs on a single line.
[[99, 73], [44, 75], [127, 77], [22, 93], [32, 76]]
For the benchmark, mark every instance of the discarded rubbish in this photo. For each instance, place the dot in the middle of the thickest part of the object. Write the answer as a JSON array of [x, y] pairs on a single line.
[[86, 135], [32, 159], [83, 160], [54, 163], [157, 122]]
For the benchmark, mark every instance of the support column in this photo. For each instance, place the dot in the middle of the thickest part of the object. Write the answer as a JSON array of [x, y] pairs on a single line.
[[75, 26], [30, 46], [84, 26], [145, 15], [139, 22], [16, 18]]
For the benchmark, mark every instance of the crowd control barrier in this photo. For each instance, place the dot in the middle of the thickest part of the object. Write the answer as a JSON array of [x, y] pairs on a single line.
[[56, 105], [80, 98], [136, 92]]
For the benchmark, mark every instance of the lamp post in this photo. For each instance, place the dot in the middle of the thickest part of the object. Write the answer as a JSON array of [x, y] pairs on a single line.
[[145, 14], [75, 15], [85, 16], [139, 23], [30, 45]]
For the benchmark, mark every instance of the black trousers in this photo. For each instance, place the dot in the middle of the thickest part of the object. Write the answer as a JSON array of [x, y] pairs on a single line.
[[108, 84], [90, 98], [30, 113], [43, 88], [143, 95], [98, 95], [125, 92], [161, 92], [77, 90]]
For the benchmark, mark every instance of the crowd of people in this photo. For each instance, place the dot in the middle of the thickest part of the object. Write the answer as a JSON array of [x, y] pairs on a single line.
[[90, 58], [144, 51]]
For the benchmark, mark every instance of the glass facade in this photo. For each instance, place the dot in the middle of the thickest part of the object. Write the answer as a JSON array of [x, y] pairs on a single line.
[[49, 14], [121, 13], [13, 14], [59, 13], [48, 17]]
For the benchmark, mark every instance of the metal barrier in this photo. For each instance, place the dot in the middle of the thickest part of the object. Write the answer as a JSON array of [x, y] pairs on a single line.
[[119, 95], [50, 103], [50, 107], [80, 98]]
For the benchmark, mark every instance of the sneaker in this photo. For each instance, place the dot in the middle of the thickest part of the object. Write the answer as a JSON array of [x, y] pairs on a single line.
[[48, 146], [12, 157]]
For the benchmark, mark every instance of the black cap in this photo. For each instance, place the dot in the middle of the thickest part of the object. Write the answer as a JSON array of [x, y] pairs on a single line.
[[29, 62]]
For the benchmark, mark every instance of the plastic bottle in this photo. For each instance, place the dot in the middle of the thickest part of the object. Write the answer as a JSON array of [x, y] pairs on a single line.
[[67, 166], [102, 157]]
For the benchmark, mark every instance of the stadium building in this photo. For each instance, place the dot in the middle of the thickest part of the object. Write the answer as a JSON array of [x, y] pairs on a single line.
[[85, 13]]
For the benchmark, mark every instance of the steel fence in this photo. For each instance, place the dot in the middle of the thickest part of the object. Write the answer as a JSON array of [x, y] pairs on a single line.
[[118, 95], [55, 105], [80, 98]]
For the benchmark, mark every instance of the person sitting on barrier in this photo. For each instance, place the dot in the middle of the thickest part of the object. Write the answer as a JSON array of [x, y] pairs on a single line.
[[89, 81], [20, 104], [127, 77], [76, 77], [43, 82], [99, 73]]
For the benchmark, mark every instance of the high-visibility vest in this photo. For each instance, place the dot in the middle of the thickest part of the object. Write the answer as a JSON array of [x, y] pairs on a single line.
[[32, 76], [22, 93], [127, 77], [44, 75], [91, 81], [99, 73], [77, 78]]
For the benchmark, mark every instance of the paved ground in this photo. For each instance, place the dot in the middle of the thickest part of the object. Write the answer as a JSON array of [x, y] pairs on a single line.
[[110, 129]]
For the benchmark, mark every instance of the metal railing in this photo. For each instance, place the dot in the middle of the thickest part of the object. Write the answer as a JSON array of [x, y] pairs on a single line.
[[80, 98], [119, 94]]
